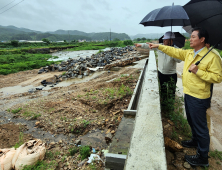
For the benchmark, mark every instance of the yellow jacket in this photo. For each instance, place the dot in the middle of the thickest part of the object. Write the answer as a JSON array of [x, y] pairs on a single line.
[[209, 70]]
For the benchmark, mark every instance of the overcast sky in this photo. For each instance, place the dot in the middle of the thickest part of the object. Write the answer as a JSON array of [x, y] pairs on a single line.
[[122, 16]]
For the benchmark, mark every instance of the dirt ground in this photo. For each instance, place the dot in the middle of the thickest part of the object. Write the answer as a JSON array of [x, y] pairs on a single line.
[[84, 108], [78, 109], [175, 158]]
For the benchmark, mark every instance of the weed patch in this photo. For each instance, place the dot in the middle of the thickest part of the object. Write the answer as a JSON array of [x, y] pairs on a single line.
[[216, 154], [84, 152], [73, 150], [41, 165], [15, 110], [21, 140]]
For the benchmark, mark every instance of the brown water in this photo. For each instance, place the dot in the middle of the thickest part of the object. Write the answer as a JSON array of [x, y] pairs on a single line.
[[6, 91]]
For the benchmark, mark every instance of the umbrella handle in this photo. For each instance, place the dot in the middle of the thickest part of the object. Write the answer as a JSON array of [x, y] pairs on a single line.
[[197, 63]]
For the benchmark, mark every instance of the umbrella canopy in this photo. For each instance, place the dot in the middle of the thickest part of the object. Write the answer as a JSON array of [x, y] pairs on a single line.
[[188, 29], [179, 40], [207, 14], [173, 15]]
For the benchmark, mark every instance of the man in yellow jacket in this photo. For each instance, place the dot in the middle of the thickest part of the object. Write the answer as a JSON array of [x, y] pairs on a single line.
[[196, 88]]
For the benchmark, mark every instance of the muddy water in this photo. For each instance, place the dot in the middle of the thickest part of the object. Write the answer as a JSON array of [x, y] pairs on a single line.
[[65, 55], [68, 82]]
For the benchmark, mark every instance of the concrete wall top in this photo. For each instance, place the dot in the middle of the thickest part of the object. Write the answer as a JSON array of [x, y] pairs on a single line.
[[147, 149]]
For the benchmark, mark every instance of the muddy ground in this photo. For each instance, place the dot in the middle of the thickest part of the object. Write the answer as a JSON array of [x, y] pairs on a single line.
[[87, 111], [83, 111]]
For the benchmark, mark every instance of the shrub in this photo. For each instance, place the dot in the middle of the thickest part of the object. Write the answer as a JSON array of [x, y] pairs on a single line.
[[128, 42], [73, 150], [84, 152], [14, 43]]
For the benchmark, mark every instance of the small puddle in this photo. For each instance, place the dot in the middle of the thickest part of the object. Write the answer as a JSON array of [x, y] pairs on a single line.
[[15, 89]]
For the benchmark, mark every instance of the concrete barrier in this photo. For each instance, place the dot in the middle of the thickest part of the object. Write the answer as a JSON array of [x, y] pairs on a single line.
[[132, 107], [147, 149]]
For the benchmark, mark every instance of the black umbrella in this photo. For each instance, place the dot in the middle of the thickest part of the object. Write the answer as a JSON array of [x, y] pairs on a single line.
[[173, 15], [179, 40], [207, 14], [188, 29]]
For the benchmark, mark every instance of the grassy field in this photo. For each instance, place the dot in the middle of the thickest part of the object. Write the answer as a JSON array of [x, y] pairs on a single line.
[[19, 62]]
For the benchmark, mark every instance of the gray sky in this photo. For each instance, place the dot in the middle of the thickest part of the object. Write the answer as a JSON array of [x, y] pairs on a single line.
[[122, 16]]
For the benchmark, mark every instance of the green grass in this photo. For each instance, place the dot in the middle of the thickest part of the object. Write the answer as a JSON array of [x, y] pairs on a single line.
[[93, 166], [86, 123], [175, 113], [20, 142], [15, 110], [31, 115], [73, 150], [216, 154], [41, 165], [51, 155], [84, 152], [14, 63]]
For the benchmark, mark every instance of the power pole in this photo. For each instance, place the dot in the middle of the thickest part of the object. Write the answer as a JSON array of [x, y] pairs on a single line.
[[69, 36], [110, 34]]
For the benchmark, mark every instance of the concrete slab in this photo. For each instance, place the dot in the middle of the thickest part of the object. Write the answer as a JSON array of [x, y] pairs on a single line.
[[130, 112], [121, 140], [147, 149], [115, 161]]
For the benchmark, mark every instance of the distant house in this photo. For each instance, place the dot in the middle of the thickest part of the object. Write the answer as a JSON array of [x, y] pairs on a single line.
[[35, 41], [81, 40], [22, 41]]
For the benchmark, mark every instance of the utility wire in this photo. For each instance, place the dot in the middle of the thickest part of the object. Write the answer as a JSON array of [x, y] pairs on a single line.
[[7, 5], [11, 7]]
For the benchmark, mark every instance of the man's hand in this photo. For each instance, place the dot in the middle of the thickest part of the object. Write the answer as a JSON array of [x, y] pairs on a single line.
[[193, 68], [138, 45], [151, 45]]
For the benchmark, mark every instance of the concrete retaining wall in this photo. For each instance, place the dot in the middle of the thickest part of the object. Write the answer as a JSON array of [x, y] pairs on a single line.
[[147, 149]]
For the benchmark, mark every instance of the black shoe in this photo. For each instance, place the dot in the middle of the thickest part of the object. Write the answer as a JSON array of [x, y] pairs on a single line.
[[197, 160], [189, 143]]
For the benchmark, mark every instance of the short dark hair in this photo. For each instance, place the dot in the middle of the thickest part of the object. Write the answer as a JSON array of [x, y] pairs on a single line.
[[202, 33]]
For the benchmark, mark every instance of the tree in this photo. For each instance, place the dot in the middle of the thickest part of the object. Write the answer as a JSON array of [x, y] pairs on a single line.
[[64, 41], [46, 40], [128, 42], [138, 39], [116, 39], [14, 43], [143, 38]]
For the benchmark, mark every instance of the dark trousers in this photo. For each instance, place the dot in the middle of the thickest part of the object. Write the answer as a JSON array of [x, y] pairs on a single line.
[[211, 91], [167, 85], [197, 119]]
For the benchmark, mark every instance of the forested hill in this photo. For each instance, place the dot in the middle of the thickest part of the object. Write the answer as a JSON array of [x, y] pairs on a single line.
[[14, 33]]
